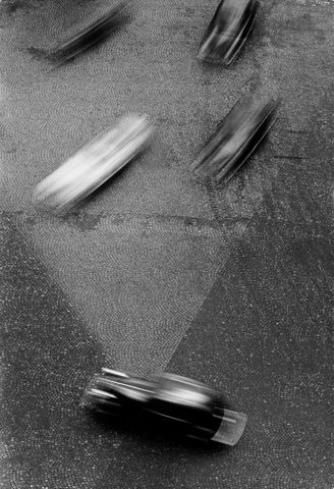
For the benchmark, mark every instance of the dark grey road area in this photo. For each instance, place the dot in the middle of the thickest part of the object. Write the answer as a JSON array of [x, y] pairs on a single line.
[[157, 272]]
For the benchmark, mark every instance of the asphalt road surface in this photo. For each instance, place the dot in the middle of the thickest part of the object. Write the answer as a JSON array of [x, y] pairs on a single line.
[[157, 272]]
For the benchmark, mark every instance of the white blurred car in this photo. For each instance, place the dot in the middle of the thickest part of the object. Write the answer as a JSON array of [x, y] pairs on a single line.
[[95, 163]]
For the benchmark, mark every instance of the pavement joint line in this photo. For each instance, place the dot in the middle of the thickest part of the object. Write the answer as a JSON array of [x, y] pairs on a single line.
[[130, 218]]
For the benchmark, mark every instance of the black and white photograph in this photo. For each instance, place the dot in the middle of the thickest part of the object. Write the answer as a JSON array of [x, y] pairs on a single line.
[[166, 244]]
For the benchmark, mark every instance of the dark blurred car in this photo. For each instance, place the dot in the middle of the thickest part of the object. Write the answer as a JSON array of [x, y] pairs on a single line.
[[228, 31], [183, 405]]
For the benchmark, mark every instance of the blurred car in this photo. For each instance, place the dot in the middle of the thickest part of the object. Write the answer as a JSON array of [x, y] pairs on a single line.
[[228, 31], [92, 34], [183, 405], [94, 164], [236, 137]]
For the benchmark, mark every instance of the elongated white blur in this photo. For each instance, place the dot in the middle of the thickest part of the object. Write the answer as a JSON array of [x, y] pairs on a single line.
[[95, 163]]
